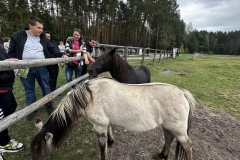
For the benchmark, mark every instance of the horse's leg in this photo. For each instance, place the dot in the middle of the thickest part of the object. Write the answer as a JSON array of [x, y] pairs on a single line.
[[110, 136], [102, 141], [186, 144], [168, 141]]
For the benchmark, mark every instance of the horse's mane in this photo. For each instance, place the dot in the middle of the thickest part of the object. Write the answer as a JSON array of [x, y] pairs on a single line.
[[121, 66], [63, 118]]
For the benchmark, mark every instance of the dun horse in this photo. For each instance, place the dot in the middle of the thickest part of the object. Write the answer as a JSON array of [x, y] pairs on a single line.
[[135, 107], [119, 69]]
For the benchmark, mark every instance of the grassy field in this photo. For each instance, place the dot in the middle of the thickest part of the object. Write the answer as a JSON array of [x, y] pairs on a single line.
[[213, 80]]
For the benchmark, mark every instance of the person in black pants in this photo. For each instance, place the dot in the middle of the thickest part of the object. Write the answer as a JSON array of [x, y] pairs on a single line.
[[87, 55], [8, 105], [52, 69]]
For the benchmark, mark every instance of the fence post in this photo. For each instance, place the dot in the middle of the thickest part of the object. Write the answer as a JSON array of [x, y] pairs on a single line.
[[143, 56], [169, 54], [125, 53], [160, 56], [154, 56], [97, 51]]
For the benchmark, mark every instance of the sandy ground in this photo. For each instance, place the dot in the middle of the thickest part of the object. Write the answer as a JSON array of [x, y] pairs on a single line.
[[215, 135]]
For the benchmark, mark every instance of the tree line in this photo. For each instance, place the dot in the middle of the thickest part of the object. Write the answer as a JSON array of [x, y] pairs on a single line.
[[219, 42], [138, 23]]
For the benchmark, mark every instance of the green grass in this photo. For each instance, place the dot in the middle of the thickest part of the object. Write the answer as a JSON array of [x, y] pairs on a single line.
[[214, 82]]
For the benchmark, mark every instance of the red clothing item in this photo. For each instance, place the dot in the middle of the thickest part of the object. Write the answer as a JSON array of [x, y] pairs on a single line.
[[76, 46], [3, 91]]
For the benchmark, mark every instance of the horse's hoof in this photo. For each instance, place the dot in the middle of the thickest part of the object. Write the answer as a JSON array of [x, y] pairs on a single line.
[[159, 157], [110, 142], [156, 157]]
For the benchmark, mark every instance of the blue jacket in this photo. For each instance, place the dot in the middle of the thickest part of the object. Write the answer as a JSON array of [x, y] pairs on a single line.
[[19, 39]]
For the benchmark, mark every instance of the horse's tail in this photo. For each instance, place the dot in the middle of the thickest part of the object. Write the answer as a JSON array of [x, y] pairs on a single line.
[[180, 152]]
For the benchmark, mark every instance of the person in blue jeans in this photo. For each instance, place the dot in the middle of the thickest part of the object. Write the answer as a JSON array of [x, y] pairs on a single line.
[[74, 47], [32, 44]]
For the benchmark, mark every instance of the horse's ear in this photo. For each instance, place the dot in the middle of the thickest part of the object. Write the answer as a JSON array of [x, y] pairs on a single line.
[[113, 51], [39, 123], [48, 136]]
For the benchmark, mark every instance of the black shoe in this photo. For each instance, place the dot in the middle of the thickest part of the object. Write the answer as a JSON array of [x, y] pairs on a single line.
[[49, 109], [30, 116]]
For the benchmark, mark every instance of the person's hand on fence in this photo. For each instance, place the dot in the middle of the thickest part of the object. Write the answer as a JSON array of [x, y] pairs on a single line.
[[62, 65], [65, 57]]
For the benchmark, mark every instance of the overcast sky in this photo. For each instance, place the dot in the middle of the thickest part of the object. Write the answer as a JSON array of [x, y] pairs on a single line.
[[211, 15]]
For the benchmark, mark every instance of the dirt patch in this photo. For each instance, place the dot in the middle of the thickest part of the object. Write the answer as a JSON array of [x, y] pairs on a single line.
[[216, 136]]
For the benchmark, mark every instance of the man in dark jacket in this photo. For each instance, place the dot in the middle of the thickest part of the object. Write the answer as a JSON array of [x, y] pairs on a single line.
[[87, 55], [8, 106], [32, 44], [52, 69]]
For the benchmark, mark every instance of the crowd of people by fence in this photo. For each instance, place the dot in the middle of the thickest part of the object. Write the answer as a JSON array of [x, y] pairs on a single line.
[[34, 43]]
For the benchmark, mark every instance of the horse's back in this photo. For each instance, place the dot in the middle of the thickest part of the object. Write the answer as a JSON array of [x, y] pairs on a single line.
[[140, 107], [143, 74]]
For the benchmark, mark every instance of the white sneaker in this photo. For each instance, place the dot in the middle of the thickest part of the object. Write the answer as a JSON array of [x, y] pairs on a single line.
[[12, 146]]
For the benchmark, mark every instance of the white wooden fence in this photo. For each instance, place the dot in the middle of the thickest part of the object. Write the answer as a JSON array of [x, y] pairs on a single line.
[[157, 53]]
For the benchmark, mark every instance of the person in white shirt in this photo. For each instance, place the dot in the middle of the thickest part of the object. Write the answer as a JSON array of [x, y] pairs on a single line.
[[61, 47], [6, 43], [32, 44]]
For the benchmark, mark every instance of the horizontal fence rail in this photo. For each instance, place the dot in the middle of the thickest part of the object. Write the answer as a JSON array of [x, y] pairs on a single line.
[[21, 64]]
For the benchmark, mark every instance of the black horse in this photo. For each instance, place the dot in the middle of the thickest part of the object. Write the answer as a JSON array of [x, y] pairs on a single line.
[[119, 69]]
